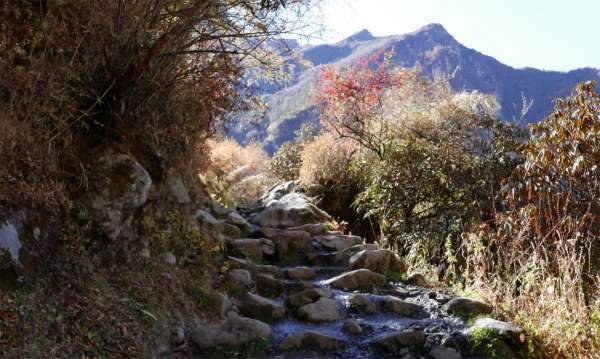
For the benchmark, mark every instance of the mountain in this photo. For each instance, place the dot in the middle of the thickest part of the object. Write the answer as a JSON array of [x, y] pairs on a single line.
[[431, 48]]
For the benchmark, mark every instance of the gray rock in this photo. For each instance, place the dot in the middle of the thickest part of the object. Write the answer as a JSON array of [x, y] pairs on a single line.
[[440, 352], [308, 296], [323, 310], [467, 307], [380, 260], [257, 307], [208, 221], [504, 330], [177, 188], [240, 279], [236, 219], [352, 326], [170, 258], [301, 273], [145, 253], [118, 186], [219, 302], [278, 191], [238, 263], [363, 304], [218, 209], [234, 331], [356, 280], [400, 307], [229, 230], [9, 236], [416, 279], [289, 244], [270, 286], [311, 340], [338, 242], [291, 210], [349, 252], [394, 342], [314, 229], [247, 247]]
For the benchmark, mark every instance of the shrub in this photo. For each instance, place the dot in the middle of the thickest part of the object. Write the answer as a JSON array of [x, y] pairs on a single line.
[[286, 162]]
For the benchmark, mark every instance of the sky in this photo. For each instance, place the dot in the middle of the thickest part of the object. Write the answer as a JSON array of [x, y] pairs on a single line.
[[547, 34]]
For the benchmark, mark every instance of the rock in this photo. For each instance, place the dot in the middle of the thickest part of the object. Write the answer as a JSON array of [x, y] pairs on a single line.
[[289, 244], [234, 331], [380, 260], [118, 186], [323, 310], [503, 330], [325, 259], [466, 307], [238, 263], [144, 253], [9, 236], [311, 340], [270, 286], [352, 326], [301, 273], [291, 210], [170, 258], [247, 247], [440, 352], [218, 302], [363, 304], [393, 342], [278, 191], [358, 279], [240, 280], [416, 279], [314, 229], [257, 307], [308, 296], [208, 221], [236, 219], [218, 209], [359, 248], [400, 307], [338, 242], [177, 188], [229, 230]]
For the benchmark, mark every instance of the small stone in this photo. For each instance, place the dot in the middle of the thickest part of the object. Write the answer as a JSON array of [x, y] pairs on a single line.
[[170, 258], [467, 307], [362, 303], [400, 307], [311, 340], [352, 326], [301, 273], [416, 279], [145, 253], [440, 352], [323, 310]]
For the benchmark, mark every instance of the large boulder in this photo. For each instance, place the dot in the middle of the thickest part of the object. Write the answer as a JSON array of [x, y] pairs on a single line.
[[276, 192], [118, 186], [308, 296], [379, 260], [323, 310], [291, 210], [338, 242], [400, 307], [289, 244], [233, 332], [360, 279], [396, 341], [467, 307], [311, 340], [257, 307]]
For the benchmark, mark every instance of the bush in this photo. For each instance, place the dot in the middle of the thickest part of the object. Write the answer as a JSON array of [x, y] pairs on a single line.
[[286, 162]]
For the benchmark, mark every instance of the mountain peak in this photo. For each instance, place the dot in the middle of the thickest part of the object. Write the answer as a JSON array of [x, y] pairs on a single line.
[[362, 35], [434, 29]]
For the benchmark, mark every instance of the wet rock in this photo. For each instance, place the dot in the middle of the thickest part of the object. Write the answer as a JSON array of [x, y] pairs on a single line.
[[338, 242], [118, 186], [234, 331], [177, 188], [291, 210], [363, 304], [360, 279], [311, 340], [440, 352], [277, 192], [247, 247], [308, 296], [240, 279], [352, 326], [506, 331], [314, 229], [323, 310], [394, 342], [380, 260], [416, 279], [301, 273], [257, 307], [400, 307], [467, 307]]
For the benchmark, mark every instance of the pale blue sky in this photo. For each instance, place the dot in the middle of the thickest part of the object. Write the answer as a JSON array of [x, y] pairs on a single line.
[[551, 34]]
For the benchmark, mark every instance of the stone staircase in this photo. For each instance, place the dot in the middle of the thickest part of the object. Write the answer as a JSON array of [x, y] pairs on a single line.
[[312, 293]]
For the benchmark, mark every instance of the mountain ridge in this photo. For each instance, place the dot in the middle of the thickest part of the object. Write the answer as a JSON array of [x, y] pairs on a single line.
[[434, 50]]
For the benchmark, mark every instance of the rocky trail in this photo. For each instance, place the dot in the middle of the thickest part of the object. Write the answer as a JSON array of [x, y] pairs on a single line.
[[304, 291]]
